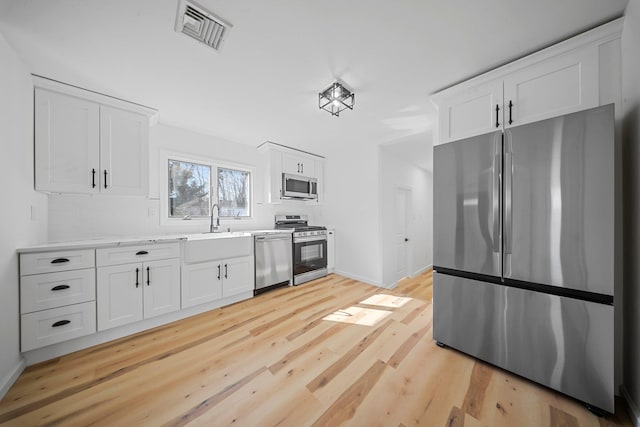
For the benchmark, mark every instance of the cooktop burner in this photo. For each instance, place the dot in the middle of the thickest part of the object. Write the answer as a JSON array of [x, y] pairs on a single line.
[[298, 222]]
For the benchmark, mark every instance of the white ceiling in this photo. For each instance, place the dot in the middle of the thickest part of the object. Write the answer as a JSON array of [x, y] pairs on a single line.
[[263, 85]]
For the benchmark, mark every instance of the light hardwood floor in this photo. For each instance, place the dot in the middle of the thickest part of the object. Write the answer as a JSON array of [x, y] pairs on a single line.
[[274, 361]]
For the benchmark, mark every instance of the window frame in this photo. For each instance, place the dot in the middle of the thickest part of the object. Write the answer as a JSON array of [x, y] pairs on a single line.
[[214, 164]]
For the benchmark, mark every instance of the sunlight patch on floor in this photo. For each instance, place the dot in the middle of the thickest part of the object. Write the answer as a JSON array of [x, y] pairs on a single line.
[[383, 300], [358, 316]]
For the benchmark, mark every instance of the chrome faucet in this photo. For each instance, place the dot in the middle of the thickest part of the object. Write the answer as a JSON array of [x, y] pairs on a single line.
[[214, 228]]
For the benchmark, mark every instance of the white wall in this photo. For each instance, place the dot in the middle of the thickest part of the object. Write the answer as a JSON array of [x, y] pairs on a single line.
[[16, 226], [73, 217], [396, 172], [631, 156], [351, 207]]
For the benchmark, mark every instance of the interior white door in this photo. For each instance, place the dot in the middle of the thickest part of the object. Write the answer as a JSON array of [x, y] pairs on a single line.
[[401, 235]]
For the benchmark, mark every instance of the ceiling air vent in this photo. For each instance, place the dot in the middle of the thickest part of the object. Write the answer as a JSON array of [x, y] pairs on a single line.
[[200, 24]]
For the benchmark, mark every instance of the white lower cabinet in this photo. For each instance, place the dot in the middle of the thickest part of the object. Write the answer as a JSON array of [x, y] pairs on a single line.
[[55, 325], [238, 276], [212, 280], [57, 297], [136, 282], [200, 283], [131, 292]]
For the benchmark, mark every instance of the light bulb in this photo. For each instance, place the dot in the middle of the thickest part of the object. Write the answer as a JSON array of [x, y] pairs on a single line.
[[337, 92], [336, 102]]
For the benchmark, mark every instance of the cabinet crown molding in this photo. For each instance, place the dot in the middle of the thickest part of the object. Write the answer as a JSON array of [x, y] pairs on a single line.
[[596, 36], [108, 100]]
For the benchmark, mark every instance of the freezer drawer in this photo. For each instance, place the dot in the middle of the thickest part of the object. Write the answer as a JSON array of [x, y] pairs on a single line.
[[562, 343]]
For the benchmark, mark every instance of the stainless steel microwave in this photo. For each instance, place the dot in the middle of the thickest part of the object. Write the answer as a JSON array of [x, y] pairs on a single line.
[[299, 187]]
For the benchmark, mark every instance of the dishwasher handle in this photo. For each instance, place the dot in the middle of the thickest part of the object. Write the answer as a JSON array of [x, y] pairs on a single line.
[[271, 238]]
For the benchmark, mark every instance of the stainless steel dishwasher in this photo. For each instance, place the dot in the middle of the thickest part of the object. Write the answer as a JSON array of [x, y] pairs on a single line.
[[274, 260]]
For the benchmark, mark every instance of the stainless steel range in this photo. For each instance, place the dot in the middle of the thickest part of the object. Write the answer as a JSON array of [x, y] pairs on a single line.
[[309, 247]]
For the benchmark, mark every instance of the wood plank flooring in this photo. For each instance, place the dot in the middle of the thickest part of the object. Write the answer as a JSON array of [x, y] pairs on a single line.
[[274, 361]]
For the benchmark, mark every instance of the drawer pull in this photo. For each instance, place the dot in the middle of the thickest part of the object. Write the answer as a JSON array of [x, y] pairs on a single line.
[[60, 260], [142, 253], [61, 323], [60, 287], [148, 276]]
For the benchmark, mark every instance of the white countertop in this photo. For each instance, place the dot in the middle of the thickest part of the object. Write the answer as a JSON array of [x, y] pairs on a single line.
[[140, 240]]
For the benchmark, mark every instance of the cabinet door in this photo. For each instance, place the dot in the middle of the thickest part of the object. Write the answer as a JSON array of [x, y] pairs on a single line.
[[124, 152], [67, 132], [560, 85], [200, 283], [237, 276], [161, 287], [119, 295], [298, 165], [471, 113]]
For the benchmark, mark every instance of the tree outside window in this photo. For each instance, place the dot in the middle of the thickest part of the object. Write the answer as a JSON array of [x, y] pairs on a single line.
[[189, 189], [234, 193]]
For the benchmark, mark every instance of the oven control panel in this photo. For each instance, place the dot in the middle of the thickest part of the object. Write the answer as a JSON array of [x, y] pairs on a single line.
[[311, 233]]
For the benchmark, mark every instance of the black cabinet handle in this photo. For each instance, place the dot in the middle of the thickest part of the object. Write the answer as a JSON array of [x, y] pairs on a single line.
[[298, 167], [93, 178], [137, 277], [510, 107], [148, 276], [225, 271], [105, 178], [61, 323], [497, 111], [142, 253], [60, 287], [301, 167], [60, 260], [218, 271]]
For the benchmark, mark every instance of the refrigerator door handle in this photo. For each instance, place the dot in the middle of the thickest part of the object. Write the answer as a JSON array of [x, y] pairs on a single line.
[[496, 203], [508, 199]]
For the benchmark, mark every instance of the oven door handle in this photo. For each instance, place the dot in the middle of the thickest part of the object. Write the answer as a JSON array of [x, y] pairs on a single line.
[[309, 239]]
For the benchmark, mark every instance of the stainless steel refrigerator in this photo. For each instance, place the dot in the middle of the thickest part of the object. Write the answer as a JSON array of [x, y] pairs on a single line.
[[524, 251]]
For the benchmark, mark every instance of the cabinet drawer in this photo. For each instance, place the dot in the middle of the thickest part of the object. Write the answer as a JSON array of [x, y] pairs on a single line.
[[47, 262], [51, 290], [140, 253], [52, 326]]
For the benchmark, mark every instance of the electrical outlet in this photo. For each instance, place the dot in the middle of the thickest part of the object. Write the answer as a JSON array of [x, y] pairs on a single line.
[[152, 211], [34, 213]]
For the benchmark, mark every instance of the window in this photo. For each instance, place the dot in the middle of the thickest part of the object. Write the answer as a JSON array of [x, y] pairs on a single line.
[[189, 189], [234, 193], [191, 184]]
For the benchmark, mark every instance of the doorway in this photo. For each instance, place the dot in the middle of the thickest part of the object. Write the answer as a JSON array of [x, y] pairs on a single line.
[[401, 220]]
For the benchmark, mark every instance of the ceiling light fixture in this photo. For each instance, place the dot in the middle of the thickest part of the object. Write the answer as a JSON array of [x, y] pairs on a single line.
[[336, 98]]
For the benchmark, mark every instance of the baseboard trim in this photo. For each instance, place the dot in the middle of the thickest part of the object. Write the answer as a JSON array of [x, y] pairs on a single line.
[[422, 270], [8, 380], [634, 412], [366, 280]]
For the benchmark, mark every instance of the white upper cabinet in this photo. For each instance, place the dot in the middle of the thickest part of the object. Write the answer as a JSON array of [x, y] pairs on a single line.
[[298, 164], [124, 152], [471, 112], [89, 143], [67, 134], [561, 79], [561, 85], [282, 159]]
